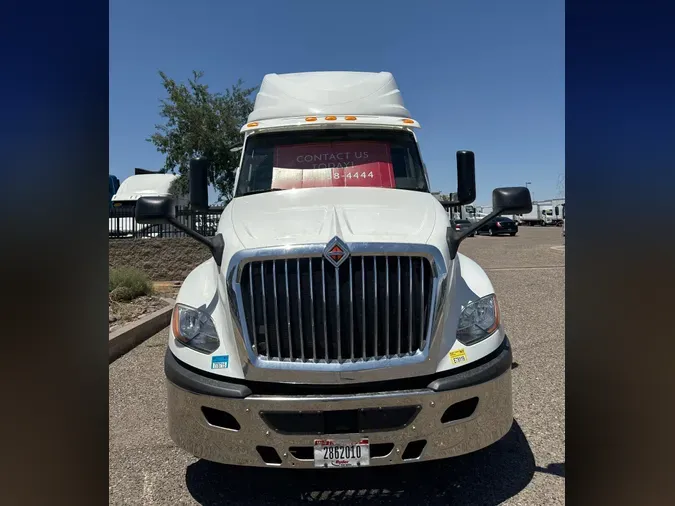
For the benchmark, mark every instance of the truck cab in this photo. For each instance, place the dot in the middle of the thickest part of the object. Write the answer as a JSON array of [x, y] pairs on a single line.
[[144, 183], [336, 324]]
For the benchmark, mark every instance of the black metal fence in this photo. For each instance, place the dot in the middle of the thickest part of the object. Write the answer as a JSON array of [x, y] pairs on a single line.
[[122, 223]]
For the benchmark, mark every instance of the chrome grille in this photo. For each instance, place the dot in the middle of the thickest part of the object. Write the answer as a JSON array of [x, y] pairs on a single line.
[[307, 310]]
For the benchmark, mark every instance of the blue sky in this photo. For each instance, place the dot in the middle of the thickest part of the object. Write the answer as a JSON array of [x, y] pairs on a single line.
[[484, 75]]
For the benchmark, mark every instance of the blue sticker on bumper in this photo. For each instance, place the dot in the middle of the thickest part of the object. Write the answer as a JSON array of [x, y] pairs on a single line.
[[221, 362]]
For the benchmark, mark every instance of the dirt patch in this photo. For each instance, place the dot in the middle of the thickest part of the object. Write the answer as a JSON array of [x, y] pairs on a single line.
[[167, 289], [122, 313]]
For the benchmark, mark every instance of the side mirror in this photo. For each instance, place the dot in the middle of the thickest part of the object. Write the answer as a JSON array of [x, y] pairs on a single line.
[[155, 210], [199, 183], [466, 177], [512, 200]]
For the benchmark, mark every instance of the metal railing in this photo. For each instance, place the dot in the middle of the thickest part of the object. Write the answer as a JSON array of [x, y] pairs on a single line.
[[122, 223]]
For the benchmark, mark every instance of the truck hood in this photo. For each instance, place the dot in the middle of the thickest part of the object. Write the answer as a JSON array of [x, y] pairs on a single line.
[[316, 215]]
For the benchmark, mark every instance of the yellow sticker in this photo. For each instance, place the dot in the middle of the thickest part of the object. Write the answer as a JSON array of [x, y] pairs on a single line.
[[458, 356]]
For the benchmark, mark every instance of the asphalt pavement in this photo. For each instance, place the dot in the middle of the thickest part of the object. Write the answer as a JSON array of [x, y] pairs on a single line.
[[526, 467]]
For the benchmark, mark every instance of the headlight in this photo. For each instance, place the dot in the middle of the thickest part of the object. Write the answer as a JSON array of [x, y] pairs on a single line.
[[194, 328], [479, 320]]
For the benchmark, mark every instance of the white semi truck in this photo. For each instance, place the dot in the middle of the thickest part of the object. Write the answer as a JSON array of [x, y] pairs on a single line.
[[121, 222], [145, 183], [336, 324]]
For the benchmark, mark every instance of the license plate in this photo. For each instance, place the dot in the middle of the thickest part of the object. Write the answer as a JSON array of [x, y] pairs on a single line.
[[341, 453]]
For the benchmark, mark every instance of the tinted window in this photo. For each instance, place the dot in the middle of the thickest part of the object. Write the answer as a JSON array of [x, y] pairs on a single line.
[[329, 158]]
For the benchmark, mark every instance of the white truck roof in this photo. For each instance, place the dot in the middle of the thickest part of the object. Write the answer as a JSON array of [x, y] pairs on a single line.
[[334, 93], [141, 185]]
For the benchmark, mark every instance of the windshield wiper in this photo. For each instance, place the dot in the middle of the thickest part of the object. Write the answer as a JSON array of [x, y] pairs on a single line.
[[267, 190]]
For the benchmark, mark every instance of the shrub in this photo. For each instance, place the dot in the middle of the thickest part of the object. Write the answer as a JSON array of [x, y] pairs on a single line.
[[127, 283], [122, 294]]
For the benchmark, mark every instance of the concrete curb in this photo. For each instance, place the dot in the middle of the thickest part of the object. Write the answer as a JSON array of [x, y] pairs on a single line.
[[125, 339]]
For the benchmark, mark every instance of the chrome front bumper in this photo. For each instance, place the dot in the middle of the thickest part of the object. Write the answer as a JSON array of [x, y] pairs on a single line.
[[488, 422]]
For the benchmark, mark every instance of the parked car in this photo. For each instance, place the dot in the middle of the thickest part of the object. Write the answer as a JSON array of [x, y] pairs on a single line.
[[460, 225], [501, 225]]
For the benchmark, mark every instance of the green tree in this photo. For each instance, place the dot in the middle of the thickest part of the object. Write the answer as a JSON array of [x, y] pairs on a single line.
[[198, 122]]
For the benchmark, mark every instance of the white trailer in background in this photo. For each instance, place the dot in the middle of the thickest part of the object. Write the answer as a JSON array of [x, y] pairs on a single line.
[[472, 213], [541, 214], [121, 222], [556, 208]]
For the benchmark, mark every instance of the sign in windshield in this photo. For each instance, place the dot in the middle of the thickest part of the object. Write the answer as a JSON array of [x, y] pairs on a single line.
[[330, 164]]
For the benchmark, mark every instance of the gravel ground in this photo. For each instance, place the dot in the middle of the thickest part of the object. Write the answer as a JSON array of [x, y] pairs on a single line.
[[527, 467]]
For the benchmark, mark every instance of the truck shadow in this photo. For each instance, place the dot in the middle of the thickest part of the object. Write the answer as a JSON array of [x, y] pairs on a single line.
[[486, 477]]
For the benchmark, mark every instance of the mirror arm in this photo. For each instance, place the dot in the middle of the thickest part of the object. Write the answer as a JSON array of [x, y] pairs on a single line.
[[217, 249], [216, 244], [453, 201], [455, 238]]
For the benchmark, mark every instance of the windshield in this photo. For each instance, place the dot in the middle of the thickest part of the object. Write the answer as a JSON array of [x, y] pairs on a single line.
[[330, 158]]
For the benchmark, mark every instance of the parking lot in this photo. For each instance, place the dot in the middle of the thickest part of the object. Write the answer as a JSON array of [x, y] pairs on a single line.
[[525, 467]]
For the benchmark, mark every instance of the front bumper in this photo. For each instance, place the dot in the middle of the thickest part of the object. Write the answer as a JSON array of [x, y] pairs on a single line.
[[229, 422]]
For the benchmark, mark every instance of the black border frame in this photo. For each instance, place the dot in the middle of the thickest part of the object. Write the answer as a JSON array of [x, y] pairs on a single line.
[[620, 139]]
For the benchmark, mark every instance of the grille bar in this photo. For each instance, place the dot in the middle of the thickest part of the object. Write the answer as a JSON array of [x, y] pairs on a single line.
[[386, 317], [276, 309], [351, 310], [363, 306], [337, 319], [369, 308], [323, 286], [264, 306], [302, 340], [311, 312], [288, 312], [400, 315]]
